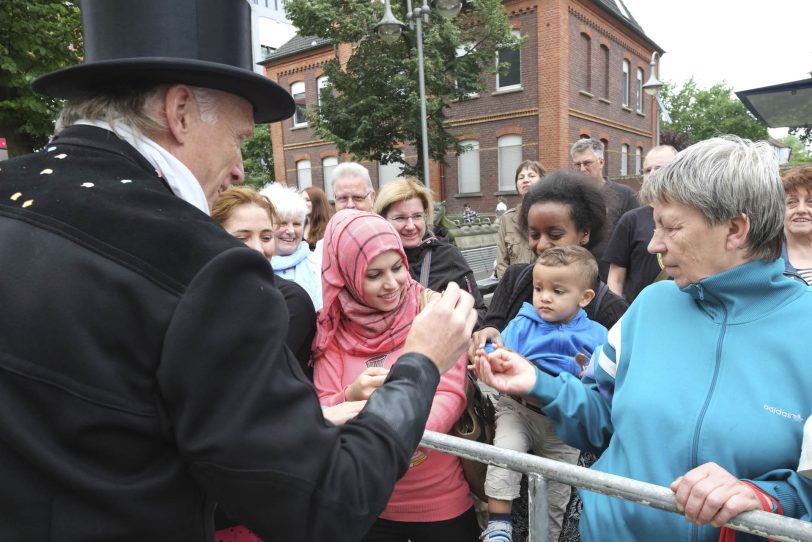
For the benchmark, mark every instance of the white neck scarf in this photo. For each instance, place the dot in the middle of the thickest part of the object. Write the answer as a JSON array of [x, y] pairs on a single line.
[[182, 182]]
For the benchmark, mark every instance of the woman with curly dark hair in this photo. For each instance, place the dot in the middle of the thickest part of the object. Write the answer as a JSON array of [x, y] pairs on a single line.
[[561, 209]]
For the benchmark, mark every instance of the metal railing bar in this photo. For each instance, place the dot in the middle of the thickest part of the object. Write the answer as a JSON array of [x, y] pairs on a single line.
[[755, 522]]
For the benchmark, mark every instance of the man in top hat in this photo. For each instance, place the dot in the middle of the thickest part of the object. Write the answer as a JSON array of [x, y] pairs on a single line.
[[143, 372]]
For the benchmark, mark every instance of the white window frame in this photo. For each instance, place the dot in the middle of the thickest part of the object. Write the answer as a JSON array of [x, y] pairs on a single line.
[[624, 160], [514, 86], [328, 164], [639, 90], [624, 90], [638, 161], [462, 50], [508, 162], [321, 82], [389, 172], [304, 174], [468, 179], [299, 117]]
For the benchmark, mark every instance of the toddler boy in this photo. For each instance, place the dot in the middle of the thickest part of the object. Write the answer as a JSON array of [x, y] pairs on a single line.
[[555, 334]]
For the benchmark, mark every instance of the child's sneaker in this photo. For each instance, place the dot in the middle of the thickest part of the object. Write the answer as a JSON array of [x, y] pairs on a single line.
[[497, 531]]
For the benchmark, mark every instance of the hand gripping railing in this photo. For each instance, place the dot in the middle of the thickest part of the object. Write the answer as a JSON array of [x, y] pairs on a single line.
[[538, 468]]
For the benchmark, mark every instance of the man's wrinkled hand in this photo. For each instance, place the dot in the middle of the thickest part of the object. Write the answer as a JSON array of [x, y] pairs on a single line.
[[442, 330]]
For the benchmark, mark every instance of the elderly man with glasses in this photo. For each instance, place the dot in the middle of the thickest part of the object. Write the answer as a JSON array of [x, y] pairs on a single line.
[[588, 158], [352, 187]]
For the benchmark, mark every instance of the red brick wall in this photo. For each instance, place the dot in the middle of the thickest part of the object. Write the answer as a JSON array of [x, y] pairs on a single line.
[[552, 109]]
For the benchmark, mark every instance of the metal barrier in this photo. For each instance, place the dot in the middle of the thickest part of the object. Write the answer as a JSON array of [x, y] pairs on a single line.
[[538, 468]]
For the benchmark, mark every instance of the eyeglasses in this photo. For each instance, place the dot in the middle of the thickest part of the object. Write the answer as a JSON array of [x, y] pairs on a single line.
[[585, 164], [402, 220], [356, 199]]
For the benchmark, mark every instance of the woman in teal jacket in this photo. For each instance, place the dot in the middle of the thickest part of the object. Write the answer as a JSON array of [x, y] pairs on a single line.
[[704, 384]]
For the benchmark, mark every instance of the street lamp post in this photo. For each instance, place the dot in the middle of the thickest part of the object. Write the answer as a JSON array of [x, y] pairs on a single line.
[[652, 88], [389, 29]]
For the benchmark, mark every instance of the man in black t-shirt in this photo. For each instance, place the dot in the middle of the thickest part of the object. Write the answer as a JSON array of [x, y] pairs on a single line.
[[631, 266], [588, 158]]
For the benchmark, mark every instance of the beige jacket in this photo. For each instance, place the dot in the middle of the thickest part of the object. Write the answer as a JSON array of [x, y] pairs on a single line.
[[511, 245]]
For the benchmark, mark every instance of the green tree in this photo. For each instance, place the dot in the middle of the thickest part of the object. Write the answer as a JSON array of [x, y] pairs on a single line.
[[698, 114], [257, 155], [371, 106], [799, 150], [36, 37]]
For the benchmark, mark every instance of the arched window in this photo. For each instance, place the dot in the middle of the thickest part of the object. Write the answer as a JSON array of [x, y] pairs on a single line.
[[321, 82], [297, 90], [586, 46], [328, 164], [468, 167], [639, 90], [303, 174], [638, 161], [624, 159], [624, 91], [510, 156]]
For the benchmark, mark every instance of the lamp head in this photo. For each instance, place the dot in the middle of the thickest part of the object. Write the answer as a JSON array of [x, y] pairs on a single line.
[[448, 8], [389, 28]]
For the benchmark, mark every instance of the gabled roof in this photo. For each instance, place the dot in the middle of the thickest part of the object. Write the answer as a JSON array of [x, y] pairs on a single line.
[[297, 44], [619, 10]]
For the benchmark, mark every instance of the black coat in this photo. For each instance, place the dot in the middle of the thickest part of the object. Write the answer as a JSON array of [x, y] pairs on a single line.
[[447, 265], [144, 375]]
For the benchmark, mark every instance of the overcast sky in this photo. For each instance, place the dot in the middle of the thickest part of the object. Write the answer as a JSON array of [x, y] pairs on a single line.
[[748, 44]]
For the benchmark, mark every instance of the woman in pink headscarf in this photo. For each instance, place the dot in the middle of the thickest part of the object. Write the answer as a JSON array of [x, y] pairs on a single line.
[[370, 301]]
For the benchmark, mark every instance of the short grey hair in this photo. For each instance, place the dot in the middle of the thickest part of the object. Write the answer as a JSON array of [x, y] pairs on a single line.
[[137, 108], [722, 178], [351, 169], [287, 201], [588, 144]]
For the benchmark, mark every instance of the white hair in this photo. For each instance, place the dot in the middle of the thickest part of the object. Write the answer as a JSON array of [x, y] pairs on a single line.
[[287, 202], [722, 178], [588, 144], [351, 169], [139, 109]]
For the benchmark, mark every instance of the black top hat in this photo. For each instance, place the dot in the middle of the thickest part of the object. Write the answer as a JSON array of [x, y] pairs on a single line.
[[204, 43]]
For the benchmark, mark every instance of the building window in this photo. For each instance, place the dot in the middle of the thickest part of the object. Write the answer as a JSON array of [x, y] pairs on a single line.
[[512, 78], [389, 172], [605, 57], [638, 161], [624, 91], [510, 156], [321, 83], [328, 164], [586, 45], [303, 174], [639, 90], [297, 90], [468, 167], [466, 89], [605, 157], [624, 160]]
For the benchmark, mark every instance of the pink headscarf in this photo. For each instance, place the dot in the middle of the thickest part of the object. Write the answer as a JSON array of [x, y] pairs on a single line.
[[352, 240]]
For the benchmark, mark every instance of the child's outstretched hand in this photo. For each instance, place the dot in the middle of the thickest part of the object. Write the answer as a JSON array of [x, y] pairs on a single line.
[[506, 371]]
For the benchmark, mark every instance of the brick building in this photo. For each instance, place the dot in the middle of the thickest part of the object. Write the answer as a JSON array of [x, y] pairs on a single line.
[[578, 74]]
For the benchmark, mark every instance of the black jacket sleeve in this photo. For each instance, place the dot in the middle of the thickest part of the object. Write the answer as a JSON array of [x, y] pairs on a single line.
[[509, 296], [302, 327], [249, 425]]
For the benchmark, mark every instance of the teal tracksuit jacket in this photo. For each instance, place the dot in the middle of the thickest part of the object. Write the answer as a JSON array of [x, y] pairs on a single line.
[[717, 371]]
